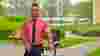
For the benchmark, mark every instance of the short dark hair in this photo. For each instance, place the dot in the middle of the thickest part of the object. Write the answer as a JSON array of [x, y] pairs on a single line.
[[35, 5]]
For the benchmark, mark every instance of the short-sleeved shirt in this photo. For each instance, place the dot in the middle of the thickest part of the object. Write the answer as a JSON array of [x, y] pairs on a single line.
[[40, 26]]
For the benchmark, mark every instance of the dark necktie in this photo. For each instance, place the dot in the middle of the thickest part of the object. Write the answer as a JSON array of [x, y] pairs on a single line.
[[33, 31]]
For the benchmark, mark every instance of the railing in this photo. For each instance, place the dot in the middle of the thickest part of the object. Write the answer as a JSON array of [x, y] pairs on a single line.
[[78, 20], [68, 20]]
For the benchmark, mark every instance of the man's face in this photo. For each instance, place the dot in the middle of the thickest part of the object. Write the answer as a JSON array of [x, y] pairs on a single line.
[[35, 11]]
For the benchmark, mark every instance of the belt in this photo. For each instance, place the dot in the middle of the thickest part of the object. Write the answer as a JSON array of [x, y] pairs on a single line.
[[37, 45]]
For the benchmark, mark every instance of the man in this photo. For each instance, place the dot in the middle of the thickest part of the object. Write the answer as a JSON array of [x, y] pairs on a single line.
[[33, 31]]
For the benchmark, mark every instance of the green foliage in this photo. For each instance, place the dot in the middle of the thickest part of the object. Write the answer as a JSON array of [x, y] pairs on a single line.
[[82, 9], [20, 18], [4, 35], [2, 10], [9, 23], [86, 9], [66, 11]]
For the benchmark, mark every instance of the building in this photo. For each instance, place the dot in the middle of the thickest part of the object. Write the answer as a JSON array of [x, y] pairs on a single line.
[[55, 7], [19, 7]]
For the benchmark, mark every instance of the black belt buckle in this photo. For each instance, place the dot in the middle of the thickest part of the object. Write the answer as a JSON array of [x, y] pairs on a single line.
[[34, 44]]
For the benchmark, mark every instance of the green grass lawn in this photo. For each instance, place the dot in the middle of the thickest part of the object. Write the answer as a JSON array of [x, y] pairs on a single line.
[[95, 52], [73, 41]]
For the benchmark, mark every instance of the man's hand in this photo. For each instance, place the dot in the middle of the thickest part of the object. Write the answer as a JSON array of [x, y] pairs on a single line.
[[18, 33], [51, 46]]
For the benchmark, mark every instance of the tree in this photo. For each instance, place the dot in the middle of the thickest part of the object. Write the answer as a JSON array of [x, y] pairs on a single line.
[[1, 9], [86, 9], [11, 18]]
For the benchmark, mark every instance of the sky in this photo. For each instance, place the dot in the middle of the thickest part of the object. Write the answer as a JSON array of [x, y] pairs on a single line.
[[73, 2]]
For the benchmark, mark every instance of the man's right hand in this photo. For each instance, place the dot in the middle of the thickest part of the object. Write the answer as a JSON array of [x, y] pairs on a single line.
[[51, 47]]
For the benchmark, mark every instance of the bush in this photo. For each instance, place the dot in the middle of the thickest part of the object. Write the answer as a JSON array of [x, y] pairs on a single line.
[[4, 35]]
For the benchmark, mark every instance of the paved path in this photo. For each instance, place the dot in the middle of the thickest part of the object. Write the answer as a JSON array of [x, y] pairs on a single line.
[[68, 52], [98, 42], [8, 51], [78, 50]]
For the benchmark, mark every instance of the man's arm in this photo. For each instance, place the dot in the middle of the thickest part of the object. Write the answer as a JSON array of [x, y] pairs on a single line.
[[20, 33], [24, 37], [50, 39]]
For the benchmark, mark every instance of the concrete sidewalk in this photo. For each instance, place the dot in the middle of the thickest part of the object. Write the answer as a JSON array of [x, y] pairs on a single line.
[[68, 52], [11, 52], [19, 51]]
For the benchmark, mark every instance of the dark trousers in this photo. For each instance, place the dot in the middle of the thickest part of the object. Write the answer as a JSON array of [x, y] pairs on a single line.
[[34, 52], [27, 53]]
